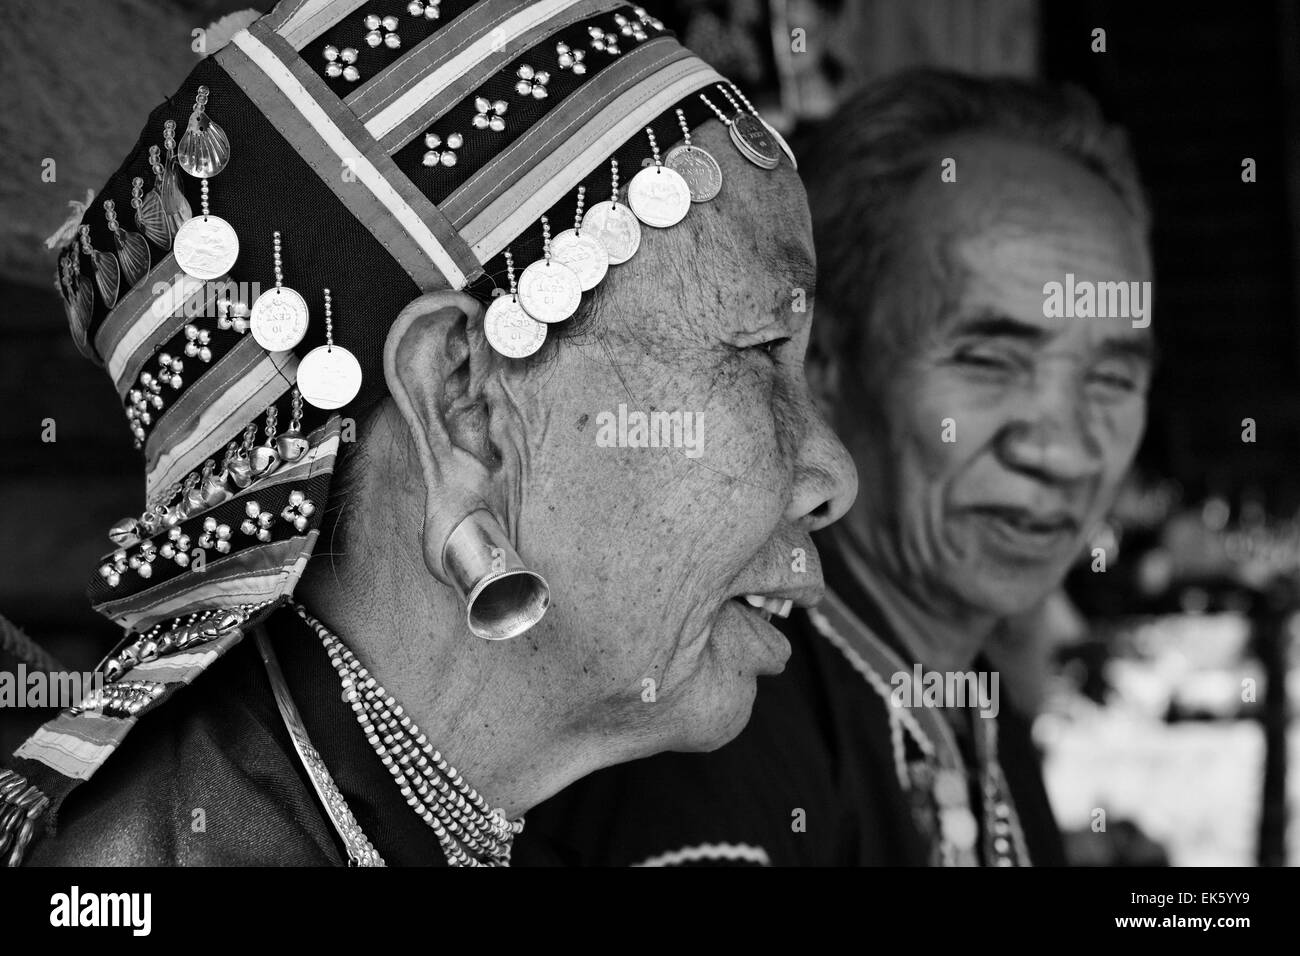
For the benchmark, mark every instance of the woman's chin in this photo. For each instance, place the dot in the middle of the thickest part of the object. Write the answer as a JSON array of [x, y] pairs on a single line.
[[722, 711]]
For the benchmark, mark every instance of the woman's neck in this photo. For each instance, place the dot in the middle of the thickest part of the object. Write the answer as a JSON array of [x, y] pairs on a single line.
[[462, 692]]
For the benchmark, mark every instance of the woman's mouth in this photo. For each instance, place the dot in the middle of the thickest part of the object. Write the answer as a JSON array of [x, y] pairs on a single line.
[[752, 616], [767, 606]]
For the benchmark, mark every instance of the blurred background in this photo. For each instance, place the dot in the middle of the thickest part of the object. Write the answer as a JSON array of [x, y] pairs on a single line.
[[1162, 684]]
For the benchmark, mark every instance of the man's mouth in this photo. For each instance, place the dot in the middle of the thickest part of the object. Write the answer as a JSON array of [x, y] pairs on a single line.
[[1029, 531]]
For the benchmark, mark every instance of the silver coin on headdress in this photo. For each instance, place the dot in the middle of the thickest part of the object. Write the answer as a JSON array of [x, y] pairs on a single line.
[[697, 166], [329, 376], [582, 253], [206, 247], [659, 196], [510, 330], [617, 229], [548, 291], [279, 319], [750, 136]]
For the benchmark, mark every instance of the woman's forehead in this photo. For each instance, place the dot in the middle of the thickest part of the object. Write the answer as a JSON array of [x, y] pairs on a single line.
[[747, 252]]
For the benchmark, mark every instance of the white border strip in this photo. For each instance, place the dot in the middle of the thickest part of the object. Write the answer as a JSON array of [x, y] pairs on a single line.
[[169, 298], [397, 112], [334, 138], [312, 18], [278, 369]]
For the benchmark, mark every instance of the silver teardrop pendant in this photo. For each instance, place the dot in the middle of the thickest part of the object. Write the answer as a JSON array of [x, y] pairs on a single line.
[[132, 251], [133, 254], [78, 300], [107, 275], [204, 150], [175, 206]]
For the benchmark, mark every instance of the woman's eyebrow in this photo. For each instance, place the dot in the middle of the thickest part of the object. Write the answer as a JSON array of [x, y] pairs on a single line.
[[793, 261]]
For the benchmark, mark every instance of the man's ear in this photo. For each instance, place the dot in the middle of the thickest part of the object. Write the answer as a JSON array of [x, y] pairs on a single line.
[[434, 366]]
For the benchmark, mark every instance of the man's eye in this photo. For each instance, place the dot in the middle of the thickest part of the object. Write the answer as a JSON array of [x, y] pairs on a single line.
[[984, 358], [1114, 377]]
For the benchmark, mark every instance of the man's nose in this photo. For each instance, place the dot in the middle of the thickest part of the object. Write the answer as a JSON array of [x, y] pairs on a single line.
[[1052, 440], [825, 481]]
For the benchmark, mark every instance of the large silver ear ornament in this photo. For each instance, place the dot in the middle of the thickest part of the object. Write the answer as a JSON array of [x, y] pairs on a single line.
[[503, 598]]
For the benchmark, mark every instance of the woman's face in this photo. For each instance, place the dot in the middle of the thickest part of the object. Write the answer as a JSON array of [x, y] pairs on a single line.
[[650, 538]]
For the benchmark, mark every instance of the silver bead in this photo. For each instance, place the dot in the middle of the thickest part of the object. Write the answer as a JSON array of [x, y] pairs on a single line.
[[392, 41]]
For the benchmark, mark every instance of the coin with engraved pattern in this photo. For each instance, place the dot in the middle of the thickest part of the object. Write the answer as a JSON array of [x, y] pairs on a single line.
[[510, 330], [548, 291], [583, 254], [279, 319], [697, 166], [206, 247], [616, 228]]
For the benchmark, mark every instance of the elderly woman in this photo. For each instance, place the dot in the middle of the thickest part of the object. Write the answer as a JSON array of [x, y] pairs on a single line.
[[991, 428], [343, 306]]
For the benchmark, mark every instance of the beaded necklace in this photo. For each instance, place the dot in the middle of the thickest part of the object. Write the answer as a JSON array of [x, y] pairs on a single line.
[[940, 777], [469, 831]]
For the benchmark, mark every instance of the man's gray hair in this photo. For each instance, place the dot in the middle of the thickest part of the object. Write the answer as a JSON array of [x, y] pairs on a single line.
[[860, 165]]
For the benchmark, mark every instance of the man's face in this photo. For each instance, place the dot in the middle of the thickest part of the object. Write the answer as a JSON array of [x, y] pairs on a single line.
[[1001, 434], [649, 549]]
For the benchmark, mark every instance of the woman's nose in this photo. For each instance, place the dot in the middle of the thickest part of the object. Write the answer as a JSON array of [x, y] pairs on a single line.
[[826, 482]]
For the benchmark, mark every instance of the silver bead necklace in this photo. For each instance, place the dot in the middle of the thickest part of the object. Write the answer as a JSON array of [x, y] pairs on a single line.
[[470, 832]]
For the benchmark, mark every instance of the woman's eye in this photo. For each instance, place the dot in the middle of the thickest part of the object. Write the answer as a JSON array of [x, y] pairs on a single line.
[[770, 346]]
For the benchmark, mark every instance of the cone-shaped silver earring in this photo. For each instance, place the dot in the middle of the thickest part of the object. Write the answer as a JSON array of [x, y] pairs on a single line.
[[503, 598]]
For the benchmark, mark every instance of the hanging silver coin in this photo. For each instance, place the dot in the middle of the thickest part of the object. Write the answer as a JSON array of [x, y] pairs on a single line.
[[583, 254], [329, 377], [697, 166], [279, 319], [615, 227], [549, 292], [659, 196], [753, 141], [510, 330], [206, 247], [780, 141]]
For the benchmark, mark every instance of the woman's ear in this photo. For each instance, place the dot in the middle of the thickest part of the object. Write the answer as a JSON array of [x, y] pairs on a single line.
[[435, 366]]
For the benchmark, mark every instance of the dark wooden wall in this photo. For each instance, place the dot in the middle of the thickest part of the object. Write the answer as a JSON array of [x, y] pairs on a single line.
[[1200, 85]]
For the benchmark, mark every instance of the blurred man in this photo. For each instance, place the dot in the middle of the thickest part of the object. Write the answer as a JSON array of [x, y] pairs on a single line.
[[985, 349]]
